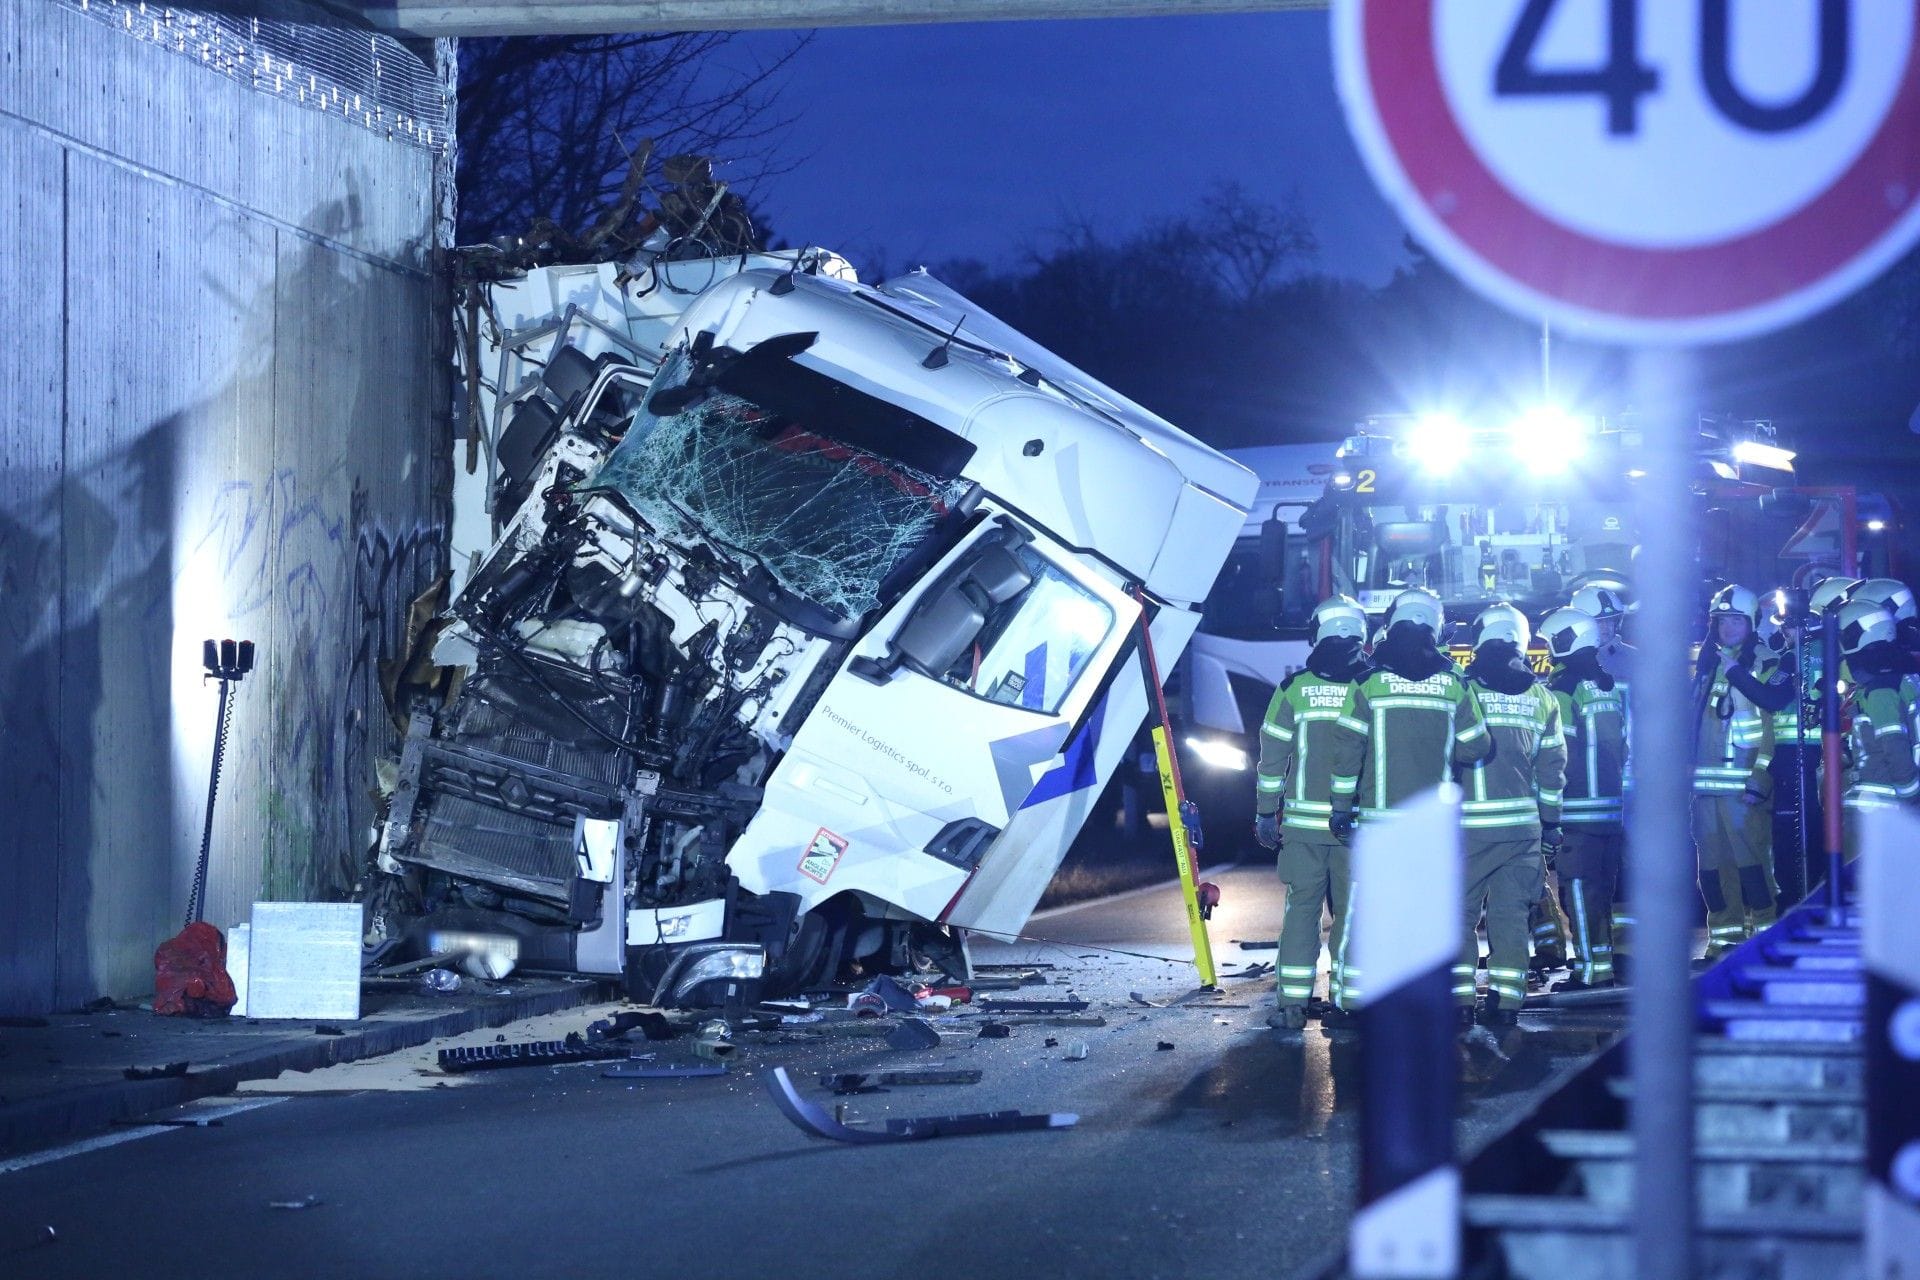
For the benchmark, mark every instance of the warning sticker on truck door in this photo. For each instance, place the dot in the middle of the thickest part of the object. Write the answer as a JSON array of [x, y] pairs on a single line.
[[822, 856]]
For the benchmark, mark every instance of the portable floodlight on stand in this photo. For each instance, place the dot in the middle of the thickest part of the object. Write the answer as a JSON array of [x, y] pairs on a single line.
[[226, 661]]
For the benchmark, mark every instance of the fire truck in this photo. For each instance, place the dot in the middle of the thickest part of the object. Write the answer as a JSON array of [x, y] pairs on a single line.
[[1525, 511]]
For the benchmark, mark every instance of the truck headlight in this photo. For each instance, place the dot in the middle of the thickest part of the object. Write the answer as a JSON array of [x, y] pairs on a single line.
[[1218, 754]]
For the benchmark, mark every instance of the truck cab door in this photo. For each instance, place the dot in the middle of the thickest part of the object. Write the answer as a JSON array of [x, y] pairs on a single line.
[[938, 725]]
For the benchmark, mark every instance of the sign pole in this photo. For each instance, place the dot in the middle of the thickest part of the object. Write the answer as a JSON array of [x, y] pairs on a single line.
[[1890, 894], [1661, 857], [1407, 868]]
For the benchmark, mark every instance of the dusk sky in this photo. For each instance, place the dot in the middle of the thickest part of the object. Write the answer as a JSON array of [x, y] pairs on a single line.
[[948, 141]]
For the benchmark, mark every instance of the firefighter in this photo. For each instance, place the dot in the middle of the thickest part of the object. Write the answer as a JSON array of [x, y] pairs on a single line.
[[1294, 804], [1590, 864], [1732, 829], [1401, 732], [1898, 601], [1609, 608], [1511, 809], [1879, 740]]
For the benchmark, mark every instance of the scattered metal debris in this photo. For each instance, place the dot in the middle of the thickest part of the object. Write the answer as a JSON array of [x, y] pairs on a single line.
[[716, 1041], [815, 1120], [652, 1025], [914, 1033], [1137, 998], [1033, 1006], [171, 1070], [663, 1071], [533, 1053], [995, 1031], [1163, 1046], [1077, 1051]]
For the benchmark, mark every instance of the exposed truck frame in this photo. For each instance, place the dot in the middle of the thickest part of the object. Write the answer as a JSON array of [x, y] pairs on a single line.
[[809, 633]]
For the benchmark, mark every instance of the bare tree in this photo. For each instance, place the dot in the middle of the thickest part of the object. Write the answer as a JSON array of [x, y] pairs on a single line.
[[549, 124], [1253, 244]]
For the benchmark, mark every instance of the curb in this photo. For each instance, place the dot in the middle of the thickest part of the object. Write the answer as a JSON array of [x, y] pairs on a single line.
[[38, 1122]]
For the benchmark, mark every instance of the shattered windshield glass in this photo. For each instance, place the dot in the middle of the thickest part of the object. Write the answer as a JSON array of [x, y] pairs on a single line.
[[828, 520]]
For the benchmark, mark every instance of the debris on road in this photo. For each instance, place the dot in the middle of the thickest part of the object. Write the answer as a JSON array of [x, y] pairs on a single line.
[[304, 1202], [652, 1025], [716, 1041], [895, 998], [663, 1071], [1077, 1051], [866, 1004], [995, 1031], [533, 1053], [1033, 1006], [814, 1119], [1137, 998], [328, 1029], [1262, 945], [914, 1033], [1163, 1046], [172, 1069]]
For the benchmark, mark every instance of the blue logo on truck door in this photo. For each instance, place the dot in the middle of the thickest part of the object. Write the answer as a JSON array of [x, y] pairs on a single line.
[[1075, 771]]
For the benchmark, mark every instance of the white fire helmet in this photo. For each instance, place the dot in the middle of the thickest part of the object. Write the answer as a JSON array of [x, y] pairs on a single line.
[[1337, 616], [1830, 592], [1864, 622], [1502, 622], [1890, 594], [1736, 601], [1569, 630], [1420, 606], [1599, 602]]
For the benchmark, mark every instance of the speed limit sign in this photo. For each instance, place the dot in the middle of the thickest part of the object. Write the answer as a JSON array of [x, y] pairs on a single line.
[[1657, 170]]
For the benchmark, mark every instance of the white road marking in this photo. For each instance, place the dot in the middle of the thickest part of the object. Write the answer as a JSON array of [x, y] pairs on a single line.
[[191, 1111]]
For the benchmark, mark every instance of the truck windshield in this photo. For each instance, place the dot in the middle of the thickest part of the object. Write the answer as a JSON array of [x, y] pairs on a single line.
[[758, 475], [1471, 554]]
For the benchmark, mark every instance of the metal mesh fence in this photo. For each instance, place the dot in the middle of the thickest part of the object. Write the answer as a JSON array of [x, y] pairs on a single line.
[[367, 78]]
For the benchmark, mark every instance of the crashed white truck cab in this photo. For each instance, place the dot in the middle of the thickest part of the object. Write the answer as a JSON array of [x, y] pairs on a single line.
[[809, 637]]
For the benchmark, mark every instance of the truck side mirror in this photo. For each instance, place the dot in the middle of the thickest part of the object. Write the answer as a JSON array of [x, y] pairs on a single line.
[[940, 630], [951, 616]]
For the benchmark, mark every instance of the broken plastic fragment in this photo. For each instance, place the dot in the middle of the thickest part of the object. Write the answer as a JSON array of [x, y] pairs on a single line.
[[815, 1120]]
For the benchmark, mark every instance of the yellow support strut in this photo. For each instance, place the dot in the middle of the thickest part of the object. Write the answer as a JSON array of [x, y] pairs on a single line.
[[1173, 792]]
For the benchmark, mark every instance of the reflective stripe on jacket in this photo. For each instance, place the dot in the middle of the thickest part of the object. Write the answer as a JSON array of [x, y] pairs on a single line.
[[1735, 746], [1882, 748], [1296, 749], [1397, 738], [1520, 784], [1595, 723]]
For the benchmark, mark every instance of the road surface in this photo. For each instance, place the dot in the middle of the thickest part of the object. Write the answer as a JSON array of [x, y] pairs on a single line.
[[1230, 1153]]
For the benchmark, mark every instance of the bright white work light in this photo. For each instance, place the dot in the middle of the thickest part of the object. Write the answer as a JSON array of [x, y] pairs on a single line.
[[1547, 440], [1438, 442], [1753, 453], [1218, 754]]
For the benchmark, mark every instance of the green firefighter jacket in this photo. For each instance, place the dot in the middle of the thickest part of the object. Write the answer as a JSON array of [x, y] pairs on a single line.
[[1787, 724], [1882, 749], [1296, 750], [1735, 743], [1595, 722], [1396, 738], [1520, 785]]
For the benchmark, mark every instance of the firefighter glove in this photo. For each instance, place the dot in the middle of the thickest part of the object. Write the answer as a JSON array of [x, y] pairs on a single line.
[[1552, 840], [1266, 829], [1750, 797], [1341, 824]]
